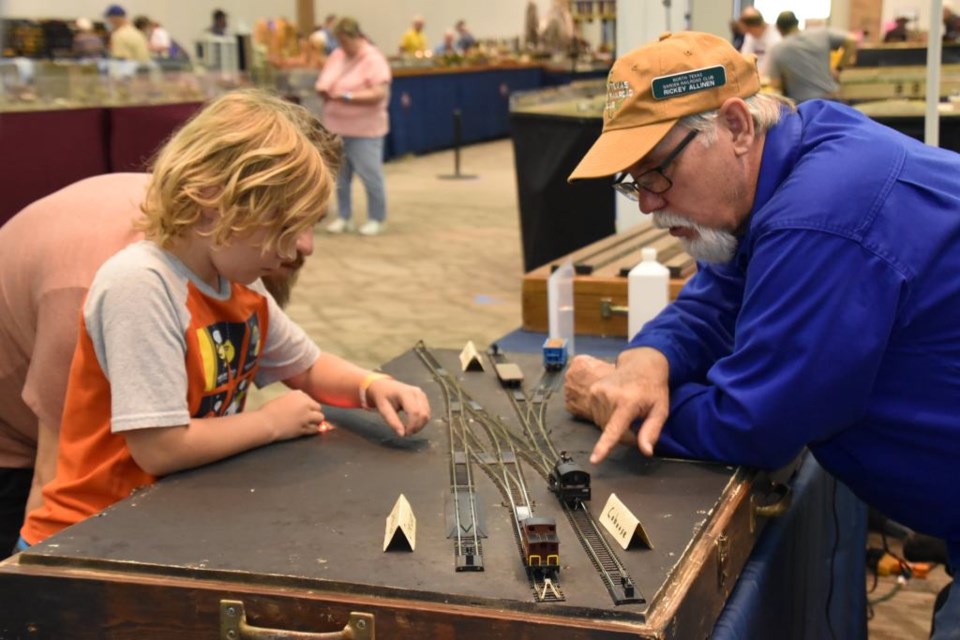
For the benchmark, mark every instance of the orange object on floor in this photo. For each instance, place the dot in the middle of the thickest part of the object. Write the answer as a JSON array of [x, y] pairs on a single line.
[[888, 566], [920, 569]]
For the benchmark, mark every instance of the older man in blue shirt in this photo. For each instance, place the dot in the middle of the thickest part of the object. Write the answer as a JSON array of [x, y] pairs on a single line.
[[826, 311]]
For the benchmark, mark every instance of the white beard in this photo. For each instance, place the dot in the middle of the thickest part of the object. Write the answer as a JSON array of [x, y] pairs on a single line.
[[709, 245]]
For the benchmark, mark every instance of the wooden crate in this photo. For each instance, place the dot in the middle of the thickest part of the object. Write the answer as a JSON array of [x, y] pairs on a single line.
[[293, 533], [602, 269]]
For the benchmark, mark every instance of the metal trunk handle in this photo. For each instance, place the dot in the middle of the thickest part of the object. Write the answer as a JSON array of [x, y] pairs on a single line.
[[233, 626], [775, 509]]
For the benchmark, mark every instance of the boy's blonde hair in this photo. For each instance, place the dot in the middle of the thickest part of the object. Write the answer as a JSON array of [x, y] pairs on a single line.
[[255, 159]]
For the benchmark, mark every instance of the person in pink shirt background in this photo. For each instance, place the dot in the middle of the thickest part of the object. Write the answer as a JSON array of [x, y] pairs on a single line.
[[355, 87]]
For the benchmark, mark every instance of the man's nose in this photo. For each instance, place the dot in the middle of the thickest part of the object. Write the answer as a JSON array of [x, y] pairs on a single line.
[[649, 201]]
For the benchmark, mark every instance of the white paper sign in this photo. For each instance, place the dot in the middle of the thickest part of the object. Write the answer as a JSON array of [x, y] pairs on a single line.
[[401, 526], [620, 522], [469, 358]]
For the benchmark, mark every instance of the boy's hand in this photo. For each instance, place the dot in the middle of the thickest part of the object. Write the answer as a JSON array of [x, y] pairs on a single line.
[[388, 396], [293, 415]]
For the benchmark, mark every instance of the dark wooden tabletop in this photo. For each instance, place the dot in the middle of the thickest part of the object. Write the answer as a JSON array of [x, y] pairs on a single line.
[[312, 512]]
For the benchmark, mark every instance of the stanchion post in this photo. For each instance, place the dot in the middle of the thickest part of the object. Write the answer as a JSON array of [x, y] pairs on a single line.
[[457, 139]]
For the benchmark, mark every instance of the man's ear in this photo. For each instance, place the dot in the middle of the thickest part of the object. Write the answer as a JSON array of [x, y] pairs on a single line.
[[735, 116]]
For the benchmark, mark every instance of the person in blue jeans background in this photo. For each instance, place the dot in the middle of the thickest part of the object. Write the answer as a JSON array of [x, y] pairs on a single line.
[[355, 87]]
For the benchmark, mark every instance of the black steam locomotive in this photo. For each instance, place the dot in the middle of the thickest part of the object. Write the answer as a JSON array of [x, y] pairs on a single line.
[[569, 481]]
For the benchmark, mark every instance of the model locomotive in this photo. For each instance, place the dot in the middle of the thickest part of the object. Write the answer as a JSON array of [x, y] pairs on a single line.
[[569, 481]]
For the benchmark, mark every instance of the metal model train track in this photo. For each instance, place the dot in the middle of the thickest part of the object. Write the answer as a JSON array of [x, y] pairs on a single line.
[[468, 548], [531, 411], [466, 531], [503, 468], [614, 575], [537, 449], [497, 458]]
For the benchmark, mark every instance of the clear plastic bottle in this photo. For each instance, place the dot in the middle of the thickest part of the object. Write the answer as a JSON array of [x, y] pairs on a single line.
[[648, 291], [560, 304]]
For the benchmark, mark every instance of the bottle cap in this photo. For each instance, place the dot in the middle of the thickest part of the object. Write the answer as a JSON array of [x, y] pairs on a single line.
[[649, 254]]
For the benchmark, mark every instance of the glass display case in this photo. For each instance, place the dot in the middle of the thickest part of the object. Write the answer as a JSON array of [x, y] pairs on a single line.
[[31, 85], [581, 99]]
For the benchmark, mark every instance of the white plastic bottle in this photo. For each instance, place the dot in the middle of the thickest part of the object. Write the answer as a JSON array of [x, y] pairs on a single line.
[[648, 291]]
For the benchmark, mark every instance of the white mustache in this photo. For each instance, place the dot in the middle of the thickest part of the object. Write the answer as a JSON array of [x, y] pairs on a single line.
[[664, 219], [710, 245]]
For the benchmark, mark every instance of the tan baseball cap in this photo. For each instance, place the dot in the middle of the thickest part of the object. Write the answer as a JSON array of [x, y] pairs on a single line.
[[651, 88]]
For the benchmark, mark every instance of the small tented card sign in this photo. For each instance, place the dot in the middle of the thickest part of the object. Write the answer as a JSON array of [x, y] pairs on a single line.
[[469, 358], [622, 524], [401, 530]]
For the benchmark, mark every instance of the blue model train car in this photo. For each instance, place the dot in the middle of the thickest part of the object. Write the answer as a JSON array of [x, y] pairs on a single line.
[[554, 354], [569, 480], [541, 546]]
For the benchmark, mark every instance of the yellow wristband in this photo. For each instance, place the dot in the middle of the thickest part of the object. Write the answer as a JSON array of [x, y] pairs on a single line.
[[372, 377]]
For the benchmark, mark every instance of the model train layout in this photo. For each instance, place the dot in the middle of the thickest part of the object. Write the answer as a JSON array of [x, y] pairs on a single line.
[[479, 439]]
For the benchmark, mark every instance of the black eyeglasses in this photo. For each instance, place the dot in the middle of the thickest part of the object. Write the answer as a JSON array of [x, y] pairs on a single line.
[[653, 180]]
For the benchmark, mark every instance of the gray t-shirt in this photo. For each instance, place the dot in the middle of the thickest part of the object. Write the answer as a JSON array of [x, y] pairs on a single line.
[[801, 62], [143, 317]]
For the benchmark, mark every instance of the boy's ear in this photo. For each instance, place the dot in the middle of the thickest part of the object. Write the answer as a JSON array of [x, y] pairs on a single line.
[[208, 219], [208, 215]]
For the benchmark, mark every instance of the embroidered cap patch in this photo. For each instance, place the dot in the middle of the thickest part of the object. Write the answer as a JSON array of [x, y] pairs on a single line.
[[617, 92], [678, 84]]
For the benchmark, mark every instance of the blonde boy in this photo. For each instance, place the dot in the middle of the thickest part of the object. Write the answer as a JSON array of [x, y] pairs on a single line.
[[177, 327]]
